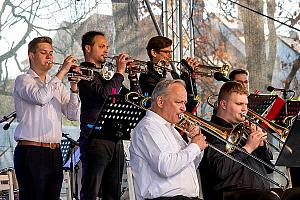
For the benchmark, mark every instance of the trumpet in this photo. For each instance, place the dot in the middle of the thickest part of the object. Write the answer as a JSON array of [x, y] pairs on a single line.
[[230, 137], [141, 66], [199, 69], [86, 72], [223, 70]]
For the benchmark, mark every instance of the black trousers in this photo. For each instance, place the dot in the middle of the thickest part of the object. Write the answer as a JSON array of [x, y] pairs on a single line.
[[250, 195], [39, 172], [178, 197], [102, 168]]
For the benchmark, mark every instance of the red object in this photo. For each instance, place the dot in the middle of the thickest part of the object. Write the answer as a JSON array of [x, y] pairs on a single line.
[[275, 109]]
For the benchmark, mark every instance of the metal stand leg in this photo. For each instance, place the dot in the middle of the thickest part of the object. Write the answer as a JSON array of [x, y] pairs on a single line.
[[130, 182]]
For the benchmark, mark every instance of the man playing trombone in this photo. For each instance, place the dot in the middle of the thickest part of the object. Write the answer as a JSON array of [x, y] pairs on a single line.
[[163, 164], [223, 178]]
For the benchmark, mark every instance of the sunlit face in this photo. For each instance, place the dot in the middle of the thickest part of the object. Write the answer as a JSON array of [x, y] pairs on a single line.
[[173, 104], [243, 79], [164, 54], [97, 52], [42, 57], [233, 107]]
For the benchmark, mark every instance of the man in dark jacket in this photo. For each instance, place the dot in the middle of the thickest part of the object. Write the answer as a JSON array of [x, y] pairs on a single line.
[[159, 50], [223, 178]]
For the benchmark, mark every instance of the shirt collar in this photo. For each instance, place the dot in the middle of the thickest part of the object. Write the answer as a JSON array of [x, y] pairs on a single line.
[[32, 73], [158, 118]]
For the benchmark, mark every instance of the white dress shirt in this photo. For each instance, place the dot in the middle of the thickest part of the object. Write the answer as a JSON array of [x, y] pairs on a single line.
[[39, 107], [163, 165]]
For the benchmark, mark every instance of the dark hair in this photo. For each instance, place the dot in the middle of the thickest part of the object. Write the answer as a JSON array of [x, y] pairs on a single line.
[[33, 43], [157, 43], [231, 87], [88, 39], [236, 72]]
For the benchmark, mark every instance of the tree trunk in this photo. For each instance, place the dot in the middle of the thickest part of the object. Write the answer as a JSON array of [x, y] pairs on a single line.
[[255, 44], [271, 8], [125, 14]]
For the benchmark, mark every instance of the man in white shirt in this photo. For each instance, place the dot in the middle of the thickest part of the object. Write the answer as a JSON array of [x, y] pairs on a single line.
[[40, 101], [163, 164]]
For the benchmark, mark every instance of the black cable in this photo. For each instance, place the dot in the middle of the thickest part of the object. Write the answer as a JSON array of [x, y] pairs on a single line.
[[263, 15]]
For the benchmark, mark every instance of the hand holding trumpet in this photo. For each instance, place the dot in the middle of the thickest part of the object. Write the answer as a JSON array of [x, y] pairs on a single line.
[[122, 61], [69, 62]]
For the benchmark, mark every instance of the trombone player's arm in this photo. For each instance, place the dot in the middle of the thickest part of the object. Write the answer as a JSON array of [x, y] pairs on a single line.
[[257, 142]]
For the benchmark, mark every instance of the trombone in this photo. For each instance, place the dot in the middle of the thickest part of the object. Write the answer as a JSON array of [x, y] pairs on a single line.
[[279, 130], [253, 117], [231, 137]]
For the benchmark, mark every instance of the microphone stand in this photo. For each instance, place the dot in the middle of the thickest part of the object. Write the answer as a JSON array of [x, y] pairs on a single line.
[[11, 116], [284, 94], [73, 143]]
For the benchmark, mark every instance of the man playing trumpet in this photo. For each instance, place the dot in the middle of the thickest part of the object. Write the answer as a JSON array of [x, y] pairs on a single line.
[[40, 101]]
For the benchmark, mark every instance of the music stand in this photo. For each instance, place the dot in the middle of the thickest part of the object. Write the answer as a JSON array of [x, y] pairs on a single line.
[[265, 104], [118, 114], [290, 153], [67, 147], [292, 108], [120, 117]]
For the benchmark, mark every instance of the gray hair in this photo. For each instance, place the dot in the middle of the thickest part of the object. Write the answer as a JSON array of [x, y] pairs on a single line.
[[162, 88]]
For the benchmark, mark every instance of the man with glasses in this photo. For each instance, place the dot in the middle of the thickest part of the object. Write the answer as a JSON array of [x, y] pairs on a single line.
[[159, 50]]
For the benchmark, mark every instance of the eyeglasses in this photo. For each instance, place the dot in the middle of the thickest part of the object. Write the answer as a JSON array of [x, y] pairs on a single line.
[[166, 51]]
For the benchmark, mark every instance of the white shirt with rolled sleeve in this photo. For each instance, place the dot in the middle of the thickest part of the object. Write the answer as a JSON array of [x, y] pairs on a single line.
[[39, 107], [163, 165]]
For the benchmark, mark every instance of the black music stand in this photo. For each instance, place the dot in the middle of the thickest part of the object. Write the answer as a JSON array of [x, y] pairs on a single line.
[[290, 154], [69, 156], [291, 109], [120, 117], [260, 103]]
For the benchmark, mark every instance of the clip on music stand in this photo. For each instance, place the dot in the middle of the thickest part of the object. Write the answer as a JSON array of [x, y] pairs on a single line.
[[290, 153], [120, 117]]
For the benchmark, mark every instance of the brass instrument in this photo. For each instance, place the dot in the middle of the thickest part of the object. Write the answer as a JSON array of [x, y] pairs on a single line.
[[141, 66], [86, 73], [230, 137], [161, 67], [198, 70], [289, 120], [281, 131]]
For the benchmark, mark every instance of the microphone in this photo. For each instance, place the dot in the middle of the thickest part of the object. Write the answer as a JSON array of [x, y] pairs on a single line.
[[271, 89], [220, 77], [186, 65]]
